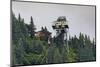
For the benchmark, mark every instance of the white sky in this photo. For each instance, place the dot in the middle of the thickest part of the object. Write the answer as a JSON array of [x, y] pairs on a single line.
[[81, 18]]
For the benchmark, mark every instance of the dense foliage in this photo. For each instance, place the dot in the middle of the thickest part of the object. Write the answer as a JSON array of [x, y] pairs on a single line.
[[28, 49]]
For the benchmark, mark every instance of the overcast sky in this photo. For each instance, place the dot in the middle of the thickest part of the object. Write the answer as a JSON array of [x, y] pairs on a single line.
[[80, 18]]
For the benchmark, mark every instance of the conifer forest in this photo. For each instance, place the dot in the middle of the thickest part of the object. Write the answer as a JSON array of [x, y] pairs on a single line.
[[31, 47]]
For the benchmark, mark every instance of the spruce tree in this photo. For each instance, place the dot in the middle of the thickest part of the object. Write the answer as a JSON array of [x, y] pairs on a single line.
[[32, 28]]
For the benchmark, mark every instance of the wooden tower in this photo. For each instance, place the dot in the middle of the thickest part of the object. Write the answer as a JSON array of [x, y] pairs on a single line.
[[61, 27]]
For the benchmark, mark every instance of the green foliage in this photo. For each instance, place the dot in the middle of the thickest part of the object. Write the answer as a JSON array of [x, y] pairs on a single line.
[[71, 56], [27, 49]]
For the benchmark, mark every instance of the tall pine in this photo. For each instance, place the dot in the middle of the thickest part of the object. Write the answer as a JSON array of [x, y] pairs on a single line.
[[32, 28]]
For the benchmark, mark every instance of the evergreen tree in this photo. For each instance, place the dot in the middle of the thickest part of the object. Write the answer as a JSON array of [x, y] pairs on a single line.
[[46, 28], [19, 18], [32, 28], [42, 29]]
